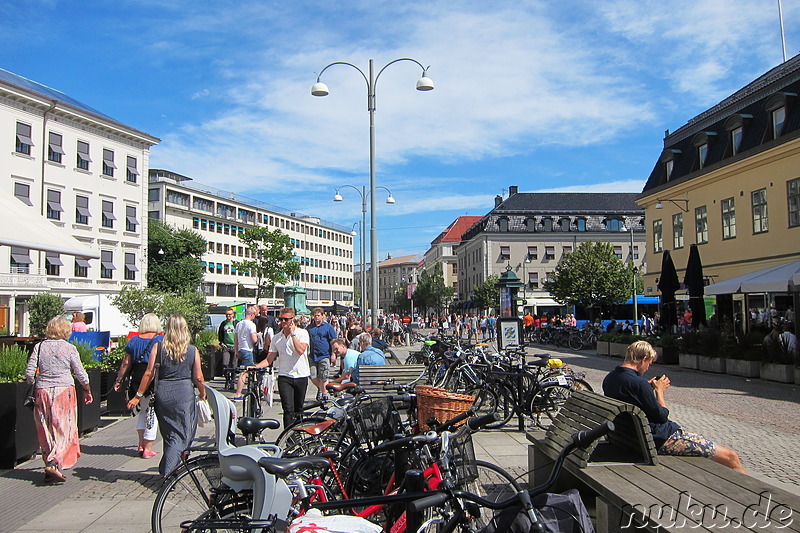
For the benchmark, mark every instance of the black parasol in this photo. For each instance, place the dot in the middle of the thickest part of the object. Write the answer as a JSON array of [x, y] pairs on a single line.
[[668, 284], [694, 283]]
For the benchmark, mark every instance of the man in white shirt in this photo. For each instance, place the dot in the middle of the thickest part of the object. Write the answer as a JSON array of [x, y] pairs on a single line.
[[290, 347], [244, 344]]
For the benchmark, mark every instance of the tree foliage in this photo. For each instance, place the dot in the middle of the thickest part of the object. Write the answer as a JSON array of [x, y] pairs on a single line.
[[431, 293], [271, 260], [134, 303], [487, 294], [41, 308], [178, 267], [592, 275], [400, 303]]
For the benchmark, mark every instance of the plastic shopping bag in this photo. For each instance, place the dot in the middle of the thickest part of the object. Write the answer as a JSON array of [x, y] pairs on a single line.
[[268, 383], [203, 412], [314, 522]]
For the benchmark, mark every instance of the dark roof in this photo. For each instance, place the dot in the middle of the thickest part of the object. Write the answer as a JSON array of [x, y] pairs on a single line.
[[48, 93], [570, 202], [748, 107]]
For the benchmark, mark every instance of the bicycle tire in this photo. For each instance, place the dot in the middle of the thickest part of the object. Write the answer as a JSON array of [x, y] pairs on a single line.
[[581, 384], [495, 484], [197, 492], [415, 359], [547, 402], [575, 342], [286, 435], [506, 407], [485, 400]]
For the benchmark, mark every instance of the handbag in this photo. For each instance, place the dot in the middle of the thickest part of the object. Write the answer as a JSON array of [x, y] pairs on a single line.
[[30, 396], [150, 414]]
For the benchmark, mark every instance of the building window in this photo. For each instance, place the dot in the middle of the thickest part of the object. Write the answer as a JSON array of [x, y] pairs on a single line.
[[54, 148], [131, 222], [760, 220], [636, 252], [530, 224], [728, 218], [736, 140], [658, 236], [23, 193], [81, 268], [566, 250], [793, 199], [154, 215], [547, 224], [677, 230], [580, 224], [24, 141], [108, 214], [505, 253], [107, 267], [20, 260], [614, 224], [502, 224], [131, 172], [533, 253], [108, 162], [565, 224], [153, 195], [82, 213], [778, 119], [668, 166], [701, 224], [83, 156], [54, 208], [177, 198], [549, 253], [53, 264], [702, 154], [533, 280], [201, 204], [618, 252], [130, 267]]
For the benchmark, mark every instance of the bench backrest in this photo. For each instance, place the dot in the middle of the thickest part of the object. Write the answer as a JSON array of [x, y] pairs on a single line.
[[373, 378], [630, 442]]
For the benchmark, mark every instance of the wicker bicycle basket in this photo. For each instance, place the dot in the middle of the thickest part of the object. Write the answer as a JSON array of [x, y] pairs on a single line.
[[439, 403]]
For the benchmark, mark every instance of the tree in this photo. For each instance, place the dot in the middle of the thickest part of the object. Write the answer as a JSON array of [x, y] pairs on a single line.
[[42, 307], [592, 275], [134, 303], [174, 264], [431, 292], [400, 303], [487, 294], [271, 260]]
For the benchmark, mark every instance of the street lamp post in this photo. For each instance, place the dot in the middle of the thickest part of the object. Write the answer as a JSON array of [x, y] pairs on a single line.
[[364, 194], [320, 89], [353, 233], [635, 306]]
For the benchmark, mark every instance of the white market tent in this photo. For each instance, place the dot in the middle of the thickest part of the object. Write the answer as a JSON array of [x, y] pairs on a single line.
[[781, 278]]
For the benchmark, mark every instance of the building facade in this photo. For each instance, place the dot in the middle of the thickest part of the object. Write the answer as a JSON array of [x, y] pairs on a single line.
[[324, 250], [530, 232], [442, 251], [395, 273], [729, 182], [74, 182]]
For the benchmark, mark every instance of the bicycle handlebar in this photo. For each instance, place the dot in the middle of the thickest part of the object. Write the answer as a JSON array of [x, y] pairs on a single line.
[[477, 422]]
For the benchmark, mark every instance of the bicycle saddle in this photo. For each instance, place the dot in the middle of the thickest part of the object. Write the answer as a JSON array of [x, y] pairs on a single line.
[[315, 429], [282, 467], [253, 426], [339, 387]]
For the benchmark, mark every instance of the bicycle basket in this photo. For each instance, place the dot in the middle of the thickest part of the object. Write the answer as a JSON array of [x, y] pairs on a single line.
[[373, 421], [462, 458], [438, 403]]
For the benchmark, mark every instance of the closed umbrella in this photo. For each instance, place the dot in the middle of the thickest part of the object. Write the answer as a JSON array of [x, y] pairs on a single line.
[[694, 283], [668, 284]]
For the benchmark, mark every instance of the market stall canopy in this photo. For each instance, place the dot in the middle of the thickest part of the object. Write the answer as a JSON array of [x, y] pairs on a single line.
[[781, 278], [24, 227]]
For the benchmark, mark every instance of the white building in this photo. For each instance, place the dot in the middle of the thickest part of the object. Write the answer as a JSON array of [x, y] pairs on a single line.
[[324, 249], [73, 198]]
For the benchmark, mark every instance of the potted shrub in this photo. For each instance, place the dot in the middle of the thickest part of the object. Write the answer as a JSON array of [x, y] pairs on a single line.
[[778, 363], [17, 429], [667, 347], [88, 414], [603, 342], [207, 343], [116, 401], [710, 347], [745, 359]]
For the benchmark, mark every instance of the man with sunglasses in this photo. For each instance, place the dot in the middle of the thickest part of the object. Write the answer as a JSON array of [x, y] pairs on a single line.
[[290, 347], [227, 339]]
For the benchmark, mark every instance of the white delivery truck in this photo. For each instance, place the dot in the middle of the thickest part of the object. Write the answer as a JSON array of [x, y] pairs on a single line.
[[100, 314]]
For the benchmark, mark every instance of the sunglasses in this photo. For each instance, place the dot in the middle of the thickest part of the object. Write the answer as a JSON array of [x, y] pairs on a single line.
[[285, 318]]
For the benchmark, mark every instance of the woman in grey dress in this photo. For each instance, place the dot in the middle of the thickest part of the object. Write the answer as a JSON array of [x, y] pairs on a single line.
[[178, 373]]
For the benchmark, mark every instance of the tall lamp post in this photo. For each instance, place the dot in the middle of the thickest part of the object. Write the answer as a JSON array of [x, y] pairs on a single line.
[[320, 89], [353, 233], [635, 306], [364, 194]]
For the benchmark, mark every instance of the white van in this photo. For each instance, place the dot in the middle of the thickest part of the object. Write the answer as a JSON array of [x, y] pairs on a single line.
[[100, 314]]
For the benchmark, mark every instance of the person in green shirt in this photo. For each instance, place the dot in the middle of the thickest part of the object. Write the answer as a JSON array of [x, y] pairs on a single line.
[[226, 336]]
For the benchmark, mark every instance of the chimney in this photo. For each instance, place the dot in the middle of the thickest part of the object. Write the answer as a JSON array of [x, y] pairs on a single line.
[[512, 190], [498, 200], [388, 256]]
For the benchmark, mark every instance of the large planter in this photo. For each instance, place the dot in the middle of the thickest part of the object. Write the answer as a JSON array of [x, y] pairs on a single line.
[[117, 402], [797, 375], [777, 372], [711, 364], [688, 360], [107, 379], [603, 348], [17, 429], [89, 414], [617, 349], [208, 358], [740, 367]]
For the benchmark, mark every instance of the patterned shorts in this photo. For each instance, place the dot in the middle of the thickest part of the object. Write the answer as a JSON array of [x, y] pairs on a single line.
[[690, 444]]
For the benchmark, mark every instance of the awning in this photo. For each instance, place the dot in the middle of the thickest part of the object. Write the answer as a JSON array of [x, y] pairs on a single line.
[[24, 227], [641, 299], [781, 278]]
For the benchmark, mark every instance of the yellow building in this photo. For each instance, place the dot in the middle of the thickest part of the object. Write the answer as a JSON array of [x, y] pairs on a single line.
[[729, 181]]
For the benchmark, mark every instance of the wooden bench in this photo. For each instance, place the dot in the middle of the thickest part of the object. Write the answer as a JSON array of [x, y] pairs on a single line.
[[634, 489], [373, 378]]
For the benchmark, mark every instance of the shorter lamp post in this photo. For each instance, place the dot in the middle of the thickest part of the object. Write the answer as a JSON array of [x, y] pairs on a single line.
[[633, 291]]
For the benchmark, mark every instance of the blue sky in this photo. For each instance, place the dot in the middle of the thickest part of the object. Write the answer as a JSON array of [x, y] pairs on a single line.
[[548, 96]]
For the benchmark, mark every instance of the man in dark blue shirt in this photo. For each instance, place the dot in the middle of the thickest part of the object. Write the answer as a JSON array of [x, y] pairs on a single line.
[[320, 357], [625, 383]]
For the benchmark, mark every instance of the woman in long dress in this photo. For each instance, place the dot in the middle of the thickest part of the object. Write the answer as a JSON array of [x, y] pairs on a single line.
[[52, 366], [175, 404]]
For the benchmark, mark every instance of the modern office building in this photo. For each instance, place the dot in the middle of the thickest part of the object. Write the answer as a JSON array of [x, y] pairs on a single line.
[[529, 233], [73, 202], [728, 181], [324, 249]]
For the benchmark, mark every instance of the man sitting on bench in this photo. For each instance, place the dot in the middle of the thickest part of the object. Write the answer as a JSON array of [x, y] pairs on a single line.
[[625, 383]]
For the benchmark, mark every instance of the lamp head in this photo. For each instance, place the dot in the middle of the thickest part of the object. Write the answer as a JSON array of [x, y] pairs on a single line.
[[390, 200], [337, 197], [659, 205], [424, 83], [353, 233], [319, 89]]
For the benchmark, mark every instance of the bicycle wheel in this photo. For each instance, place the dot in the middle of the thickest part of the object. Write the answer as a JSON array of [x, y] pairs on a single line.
[[506, 407], [197, 493], [287, 435], [494, 484], [575, 342], [547, 402], [486, 400], [581, 384], [415, 358]]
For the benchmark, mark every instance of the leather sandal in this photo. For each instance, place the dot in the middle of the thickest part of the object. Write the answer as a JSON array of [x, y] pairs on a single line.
[[54, 475]]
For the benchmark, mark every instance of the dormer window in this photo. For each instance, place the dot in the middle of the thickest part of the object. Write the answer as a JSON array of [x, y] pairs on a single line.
[[777, 106], [547, 224], [736, 140], [580, 224], [735, 126], [565, 224], [530, 224], [702, 153], [702, 142], [614, 224], [502, 224], [668, 160], [778, 119]]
